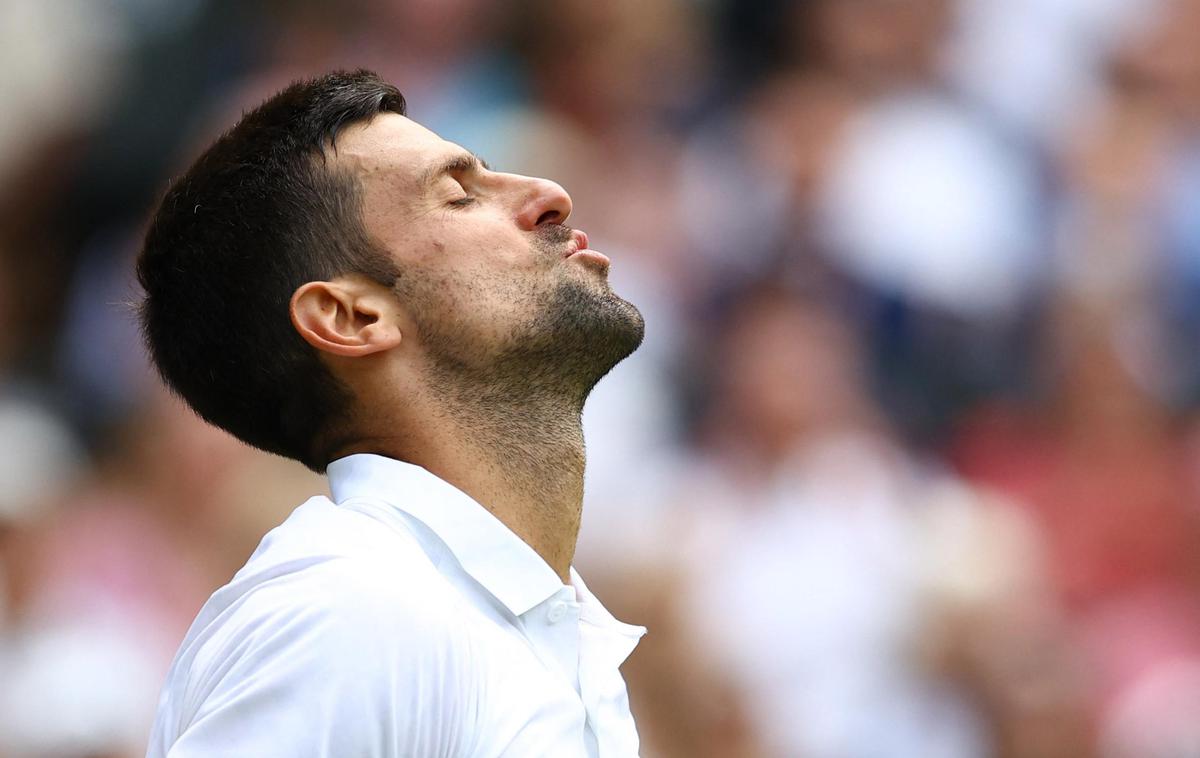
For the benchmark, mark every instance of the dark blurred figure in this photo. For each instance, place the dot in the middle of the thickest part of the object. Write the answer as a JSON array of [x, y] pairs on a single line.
[[859, 169]]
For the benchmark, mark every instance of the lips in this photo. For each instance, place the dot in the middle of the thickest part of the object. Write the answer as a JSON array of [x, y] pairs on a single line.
[[579, 241], [577, 249]]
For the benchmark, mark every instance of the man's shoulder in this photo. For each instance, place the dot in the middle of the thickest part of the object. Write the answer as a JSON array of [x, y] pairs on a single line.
[[333, 572], [336, 625], [320, 531], [326, 591], [367, 551]]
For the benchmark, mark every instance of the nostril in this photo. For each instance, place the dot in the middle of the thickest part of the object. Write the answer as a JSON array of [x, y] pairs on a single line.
[[549, 217]]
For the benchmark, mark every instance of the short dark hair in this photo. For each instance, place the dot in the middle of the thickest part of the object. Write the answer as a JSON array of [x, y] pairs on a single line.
[[258, 214]]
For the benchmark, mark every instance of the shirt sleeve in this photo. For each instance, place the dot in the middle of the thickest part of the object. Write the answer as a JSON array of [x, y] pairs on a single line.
[[333, 665]]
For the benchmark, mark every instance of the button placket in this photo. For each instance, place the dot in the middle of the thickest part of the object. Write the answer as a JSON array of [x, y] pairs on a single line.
[[554, 642]]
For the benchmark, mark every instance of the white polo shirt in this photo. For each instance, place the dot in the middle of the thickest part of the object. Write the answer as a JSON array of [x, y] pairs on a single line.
[[404, 620]]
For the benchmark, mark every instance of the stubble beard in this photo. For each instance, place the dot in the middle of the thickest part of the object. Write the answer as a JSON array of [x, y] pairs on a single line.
[[519, 401], [577, 331]]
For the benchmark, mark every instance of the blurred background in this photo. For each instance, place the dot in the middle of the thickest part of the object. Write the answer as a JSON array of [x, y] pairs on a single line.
[[909, 465]]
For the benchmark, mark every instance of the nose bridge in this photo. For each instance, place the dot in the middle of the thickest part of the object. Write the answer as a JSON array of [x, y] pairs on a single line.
[[542, 202]]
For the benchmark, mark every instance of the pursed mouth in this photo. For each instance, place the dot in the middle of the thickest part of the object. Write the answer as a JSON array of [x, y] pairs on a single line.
[[579, 241]]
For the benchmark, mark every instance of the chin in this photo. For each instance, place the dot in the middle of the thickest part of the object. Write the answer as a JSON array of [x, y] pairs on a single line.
[[629, 327], [580, 332], [604, 327]]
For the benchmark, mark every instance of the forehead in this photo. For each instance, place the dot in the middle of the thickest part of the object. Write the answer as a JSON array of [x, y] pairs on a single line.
[[391, 147]]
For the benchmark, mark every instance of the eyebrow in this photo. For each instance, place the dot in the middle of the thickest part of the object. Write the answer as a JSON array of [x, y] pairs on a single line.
[[455, 164]]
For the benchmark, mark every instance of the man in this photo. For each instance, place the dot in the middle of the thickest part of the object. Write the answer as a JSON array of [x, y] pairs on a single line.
[[332, 282]]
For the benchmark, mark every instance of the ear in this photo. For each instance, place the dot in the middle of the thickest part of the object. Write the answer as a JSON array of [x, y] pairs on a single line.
[[349, 316]]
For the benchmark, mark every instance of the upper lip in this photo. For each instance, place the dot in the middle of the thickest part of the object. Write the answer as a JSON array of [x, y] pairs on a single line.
[[579, 241]]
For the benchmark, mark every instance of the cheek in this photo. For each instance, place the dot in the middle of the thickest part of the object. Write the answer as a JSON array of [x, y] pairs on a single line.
[[485, 237], [475, 281], [479, 301]]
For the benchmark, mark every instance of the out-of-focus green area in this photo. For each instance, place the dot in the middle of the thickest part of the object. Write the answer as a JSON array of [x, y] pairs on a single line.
[[909, 465]]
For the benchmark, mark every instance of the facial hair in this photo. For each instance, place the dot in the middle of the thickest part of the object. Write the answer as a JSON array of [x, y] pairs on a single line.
[[519, 396], [577, 330]]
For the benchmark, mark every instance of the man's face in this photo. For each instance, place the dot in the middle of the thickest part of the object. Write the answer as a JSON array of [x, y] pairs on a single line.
[[497, 286]]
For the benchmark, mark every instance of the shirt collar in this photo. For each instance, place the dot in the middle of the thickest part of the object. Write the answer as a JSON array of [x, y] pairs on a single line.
[[622, 638], [488, 550]]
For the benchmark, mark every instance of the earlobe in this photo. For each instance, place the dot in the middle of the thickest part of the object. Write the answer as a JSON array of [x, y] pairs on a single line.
[[344, 317]]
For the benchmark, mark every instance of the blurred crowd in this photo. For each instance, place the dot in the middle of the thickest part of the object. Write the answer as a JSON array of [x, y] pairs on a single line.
[[909, 465]]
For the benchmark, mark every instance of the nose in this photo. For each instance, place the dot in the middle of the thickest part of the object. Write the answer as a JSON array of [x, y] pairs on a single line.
[[545, 202]]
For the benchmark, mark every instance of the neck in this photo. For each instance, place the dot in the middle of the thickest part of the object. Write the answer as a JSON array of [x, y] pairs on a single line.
[[524, 461], [520, 456]]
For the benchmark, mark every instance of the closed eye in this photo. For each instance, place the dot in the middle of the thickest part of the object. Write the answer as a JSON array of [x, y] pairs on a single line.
[[463, 201]]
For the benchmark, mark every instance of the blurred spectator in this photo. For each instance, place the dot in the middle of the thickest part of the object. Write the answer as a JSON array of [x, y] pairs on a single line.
[[1105, 464], [1035, 64], [825, 576], [860, 171]]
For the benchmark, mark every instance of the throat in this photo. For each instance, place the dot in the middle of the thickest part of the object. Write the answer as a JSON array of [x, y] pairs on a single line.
[[522, 458]]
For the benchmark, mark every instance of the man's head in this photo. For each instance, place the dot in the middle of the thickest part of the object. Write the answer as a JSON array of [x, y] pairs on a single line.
[[327, 247]]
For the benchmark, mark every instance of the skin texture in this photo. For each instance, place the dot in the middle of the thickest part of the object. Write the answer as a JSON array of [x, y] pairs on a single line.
[[475, 365]]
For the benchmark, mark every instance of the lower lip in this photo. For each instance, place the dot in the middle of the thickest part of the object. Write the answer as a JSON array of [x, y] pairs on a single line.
[[590, 256]]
